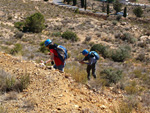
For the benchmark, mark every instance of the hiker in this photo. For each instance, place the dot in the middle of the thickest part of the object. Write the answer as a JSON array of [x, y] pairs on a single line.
[[58, 54], [92, 58]]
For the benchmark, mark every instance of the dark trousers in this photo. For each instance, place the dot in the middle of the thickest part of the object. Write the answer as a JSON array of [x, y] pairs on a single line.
[[93, 67]]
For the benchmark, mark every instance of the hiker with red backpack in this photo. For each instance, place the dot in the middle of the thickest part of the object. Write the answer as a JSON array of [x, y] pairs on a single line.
[[92, 58], [58, 54]]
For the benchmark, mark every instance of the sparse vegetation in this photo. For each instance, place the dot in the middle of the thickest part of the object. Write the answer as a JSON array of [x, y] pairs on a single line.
[[16, 49], [103, 36], [69, 35], [121, 54], [8, 82], [111, 75], [117, 6], [33, 23], [138, 11]]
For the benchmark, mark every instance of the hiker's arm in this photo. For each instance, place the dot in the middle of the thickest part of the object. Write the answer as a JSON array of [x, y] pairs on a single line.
[[83, 62], [51, 58]]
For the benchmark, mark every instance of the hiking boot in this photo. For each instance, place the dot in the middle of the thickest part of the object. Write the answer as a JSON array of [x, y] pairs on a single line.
[[94, 76]]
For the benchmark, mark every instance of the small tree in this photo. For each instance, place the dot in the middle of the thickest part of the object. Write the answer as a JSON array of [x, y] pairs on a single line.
[[108, 9], [138, 11], [74, 2], [117, 6], [85, 4], [82, 3], [69, 35], [35, 23], [125, 12]]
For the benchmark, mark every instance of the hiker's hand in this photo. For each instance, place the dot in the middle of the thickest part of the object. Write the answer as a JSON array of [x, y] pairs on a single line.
[[42, 61], [81, 62]]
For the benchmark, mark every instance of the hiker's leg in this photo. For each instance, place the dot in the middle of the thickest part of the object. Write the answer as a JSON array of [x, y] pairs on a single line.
[[93, 70], [88, 71], [55, 67], [61, 67]]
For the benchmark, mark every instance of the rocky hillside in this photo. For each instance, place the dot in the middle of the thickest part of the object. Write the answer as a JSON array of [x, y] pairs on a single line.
[[70, 92], [51, 91]]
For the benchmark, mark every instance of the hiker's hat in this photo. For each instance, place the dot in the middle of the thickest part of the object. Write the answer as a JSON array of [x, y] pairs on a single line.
[[84, 52], [47, 42]]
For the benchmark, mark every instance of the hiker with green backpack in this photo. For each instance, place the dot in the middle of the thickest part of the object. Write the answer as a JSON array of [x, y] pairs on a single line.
[[58, 54], [92, 58]]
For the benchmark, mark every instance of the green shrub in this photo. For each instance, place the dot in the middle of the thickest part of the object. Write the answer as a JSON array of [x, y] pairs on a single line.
[[16, 49], [101, 49], [119, 55], [111, 75], [69, 35], [138, 11], [128, 37], [118, 18], [19, 25], [42, 48], [56, 34], [76, 10], [34, 23], [117, 6]]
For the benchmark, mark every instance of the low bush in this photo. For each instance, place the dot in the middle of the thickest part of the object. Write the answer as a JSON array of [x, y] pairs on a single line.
[[138, 11], [16, 49], [118, 18], [101, 49], [132, 88], [56, 34], [120, 54], [33, 23], [18, 35], [111, 75], [23, 82], [69, 35], [128, 37], [19, 25], [10, 83]]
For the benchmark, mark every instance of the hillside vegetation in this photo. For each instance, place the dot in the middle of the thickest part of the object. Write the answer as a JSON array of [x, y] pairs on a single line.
[[123, 71]]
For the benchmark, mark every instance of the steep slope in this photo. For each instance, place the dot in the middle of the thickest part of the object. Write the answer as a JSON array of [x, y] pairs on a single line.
[[51, 91]]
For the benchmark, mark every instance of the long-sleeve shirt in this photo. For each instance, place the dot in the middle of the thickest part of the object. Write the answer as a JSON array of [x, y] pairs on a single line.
[[91, 59]]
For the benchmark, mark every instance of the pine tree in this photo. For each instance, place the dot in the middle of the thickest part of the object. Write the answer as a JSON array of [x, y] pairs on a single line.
[[82, 3], [74, 2], [125, 12], [108, 9], [85, 4]]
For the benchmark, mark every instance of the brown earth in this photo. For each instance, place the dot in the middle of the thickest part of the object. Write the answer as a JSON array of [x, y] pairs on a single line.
[[51, 91]]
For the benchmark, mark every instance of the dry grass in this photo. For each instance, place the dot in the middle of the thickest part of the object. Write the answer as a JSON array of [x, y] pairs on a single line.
[[77, 71]]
